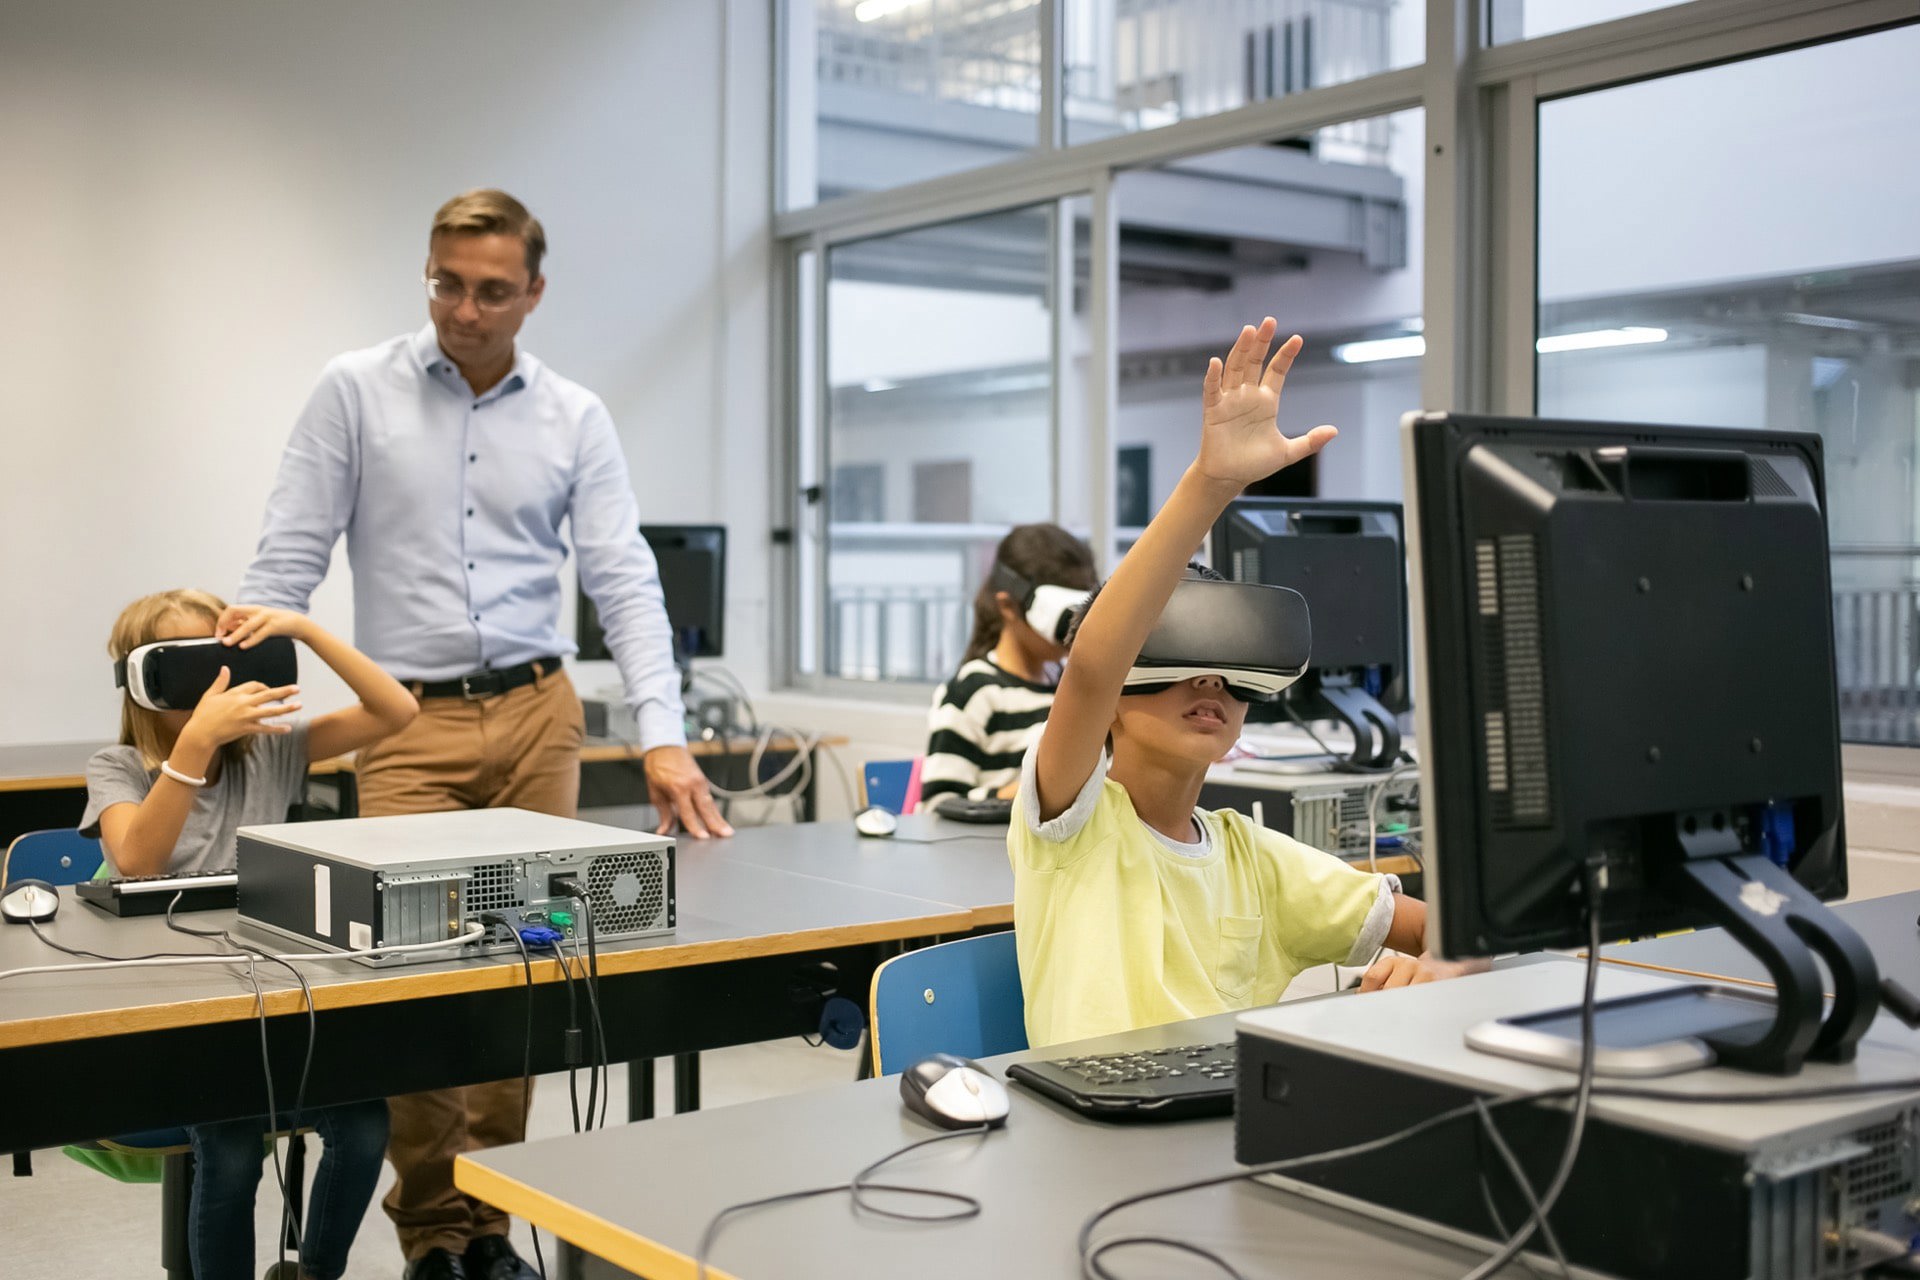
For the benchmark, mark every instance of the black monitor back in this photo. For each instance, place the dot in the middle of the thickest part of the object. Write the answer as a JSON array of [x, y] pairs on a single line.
[[693, 577], [1347, 559], [1626, 645]]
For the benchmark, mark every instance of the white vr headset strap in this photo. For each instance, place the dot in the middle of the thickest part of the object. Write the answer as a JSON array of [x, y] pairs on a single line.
[[1051, 609]]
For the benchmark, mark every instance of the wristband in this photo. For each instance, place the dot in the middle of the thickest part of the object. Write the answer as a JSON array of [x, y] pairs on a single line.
[[180, 777]]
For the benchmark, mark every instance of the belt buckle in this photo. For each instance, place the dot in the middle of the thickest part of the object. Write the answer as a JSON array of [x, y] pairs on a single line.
[[479, 684]]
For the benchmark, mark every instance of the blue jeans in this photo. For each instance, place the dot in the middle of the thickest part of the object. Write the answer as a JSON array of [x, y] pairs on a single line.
[[227, 1162]]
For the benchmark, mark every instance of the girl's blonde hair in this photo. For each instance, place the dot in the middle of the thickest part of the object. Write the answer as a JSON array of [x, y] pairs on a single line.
[[139, 623]]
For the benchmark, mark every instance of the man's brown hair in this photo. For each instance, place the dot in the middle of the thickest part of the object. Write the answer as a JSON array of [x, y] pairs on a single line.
[[485, 211]]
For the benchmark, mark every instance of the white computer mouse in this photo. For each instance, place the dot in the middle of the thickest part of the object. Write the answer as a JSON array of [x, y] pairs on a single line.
[[954, 1092], [875, 821], [26, 900]]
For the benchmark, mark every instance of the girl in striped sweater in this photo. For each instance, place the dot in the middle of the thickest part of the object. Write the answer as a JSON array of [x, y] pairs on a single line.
[[985, 717]]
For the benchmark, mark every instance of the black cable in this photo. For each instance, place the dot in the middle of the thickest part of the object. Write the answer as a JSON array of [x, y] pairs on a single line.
[[1583, 1097], [572, 887], [289, 1222], [1526, 1189], [856, 1185], [526, 1079], [573, 1031]]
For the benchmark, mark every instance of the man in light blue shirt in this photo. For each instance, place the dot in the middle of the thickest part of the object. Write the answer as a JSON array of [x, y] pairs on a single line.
[[450, 460]]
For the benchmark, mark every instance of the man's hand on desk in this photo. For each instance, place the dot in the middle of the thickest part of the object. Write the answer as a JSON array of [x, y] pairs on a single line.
[[679, 791], [1395, 970]]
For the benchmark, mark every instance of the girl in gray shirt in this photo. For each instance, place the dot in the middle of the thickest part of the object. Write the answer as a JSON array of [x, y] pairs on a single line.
[[169, 797]]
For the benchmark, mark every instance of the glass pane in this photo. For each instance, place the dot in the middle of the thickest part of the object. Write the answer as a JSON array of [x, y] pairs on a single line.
[[1737, 247], [1140, 64], [939, 432], [1323, 234], [881, 93], [1509, 20]]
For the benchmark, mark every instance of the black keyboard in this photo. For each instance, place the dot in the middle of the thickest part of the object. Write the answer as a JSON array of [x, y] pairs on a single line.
[[1155, 1084], [991, 810], [149, 895]]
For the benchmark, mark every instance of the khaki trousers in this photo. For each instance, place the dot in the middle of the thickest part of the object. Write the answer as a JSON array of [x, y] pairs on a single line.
[[520, 750]]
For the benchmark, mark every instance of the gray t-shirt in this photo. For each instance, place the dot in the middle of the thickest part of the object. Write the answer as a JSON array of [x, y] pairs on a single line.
[[271, 779]]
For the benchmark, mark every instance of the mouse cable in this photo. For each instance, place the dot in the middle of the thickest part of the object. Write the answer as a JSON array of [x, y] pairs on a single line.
[[858, 1187], [290, 1223]]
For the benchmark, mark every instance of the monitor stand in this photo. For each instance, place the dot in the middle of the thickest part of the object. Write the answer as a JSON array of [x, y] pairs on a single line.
[[1376, 734], [1704, 1024]]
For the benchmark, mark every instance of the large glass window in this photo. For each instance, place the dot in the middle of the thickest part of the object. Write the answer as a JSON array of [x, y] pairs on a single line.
[[883, 93], [1140, 64], [1321, 233], [1737, 247], [938, 434]]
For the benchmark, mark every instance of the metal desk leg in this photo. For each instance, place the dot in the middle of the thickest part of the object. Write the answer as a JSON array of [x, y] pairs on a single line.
[[686, 1082], [569, 1260], [640, 1090]]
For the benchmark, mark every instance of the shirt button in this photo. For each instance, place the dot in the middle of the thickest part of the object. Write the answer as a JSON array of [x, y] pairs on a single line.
[[469, 510], [469, 564], [476, 404], [473, 457], [476, 617]]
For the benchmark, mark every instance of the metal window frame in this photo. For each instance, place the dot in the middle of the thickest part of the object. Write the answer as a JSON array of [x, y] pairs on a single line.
[[1481, 107]]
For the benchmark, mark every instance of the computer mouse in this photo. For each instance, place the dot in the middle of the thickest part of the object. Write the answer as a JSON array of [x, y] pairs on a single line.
[[875, 821], [953, 1092], [26, 900]]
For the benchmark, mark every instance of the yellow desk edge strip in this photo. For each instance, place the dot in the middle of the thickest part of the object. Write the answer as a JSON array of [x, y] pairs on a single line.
[[596, 1235]]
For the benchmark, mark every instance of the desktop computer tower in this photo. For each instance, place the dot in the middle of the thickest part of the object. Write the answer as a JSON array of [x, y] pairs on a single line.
[[1323, 810], [362, 883], [1661, 1190]]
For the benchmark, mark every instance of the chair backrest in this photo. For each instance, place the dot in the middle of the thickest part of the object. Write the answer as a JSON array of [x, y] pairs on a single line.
[[62, 856], [958, 997], [892, 784]]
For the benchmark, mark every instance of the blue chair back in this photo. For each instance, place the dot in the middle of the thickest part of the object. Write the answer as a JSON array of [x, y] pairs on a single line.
[[889, 784], [58, 857], [958, 997]]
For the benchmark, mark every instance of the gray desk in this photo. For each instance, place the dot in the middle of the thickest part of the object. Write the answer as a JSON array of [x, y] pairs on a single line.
[[1887, 924], [749, 961], [637, 1198]]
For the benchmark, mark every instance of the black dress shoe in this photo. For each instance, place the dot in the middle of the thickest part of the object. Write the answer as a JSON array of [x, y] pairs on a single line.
[[437, 1264], [493, 1258]]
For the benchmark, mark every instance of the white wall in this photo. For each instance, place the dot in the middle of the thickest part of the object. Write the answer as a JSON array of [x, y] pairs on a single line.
[[209, 198]]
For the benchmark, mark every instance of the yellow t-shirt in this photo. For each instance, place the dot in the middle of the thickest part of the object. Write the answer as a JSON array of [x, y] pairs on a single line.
[[1118, 929]]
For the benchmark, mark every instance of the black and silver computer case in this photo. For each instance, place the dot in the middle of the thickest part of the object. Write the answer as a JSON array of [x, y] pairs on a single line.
[[360, 883], [1661, 1190], [1323, 810]]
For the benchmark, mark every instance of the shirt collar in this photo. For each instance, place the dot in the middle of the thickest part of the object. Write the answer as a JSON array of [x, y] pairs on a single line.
[[435, 364]]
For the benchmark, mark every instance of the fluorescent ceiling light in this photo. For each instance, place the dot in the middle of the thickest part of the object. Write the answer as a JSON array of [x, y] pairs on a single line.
[[1829, 322], [868, 10], [1628, 337], [1380, 349], [879, 384]]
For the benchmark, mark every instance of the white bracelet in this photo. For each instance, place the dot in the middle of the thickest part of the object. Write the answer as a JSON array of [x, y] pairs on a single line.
[[180, 777]]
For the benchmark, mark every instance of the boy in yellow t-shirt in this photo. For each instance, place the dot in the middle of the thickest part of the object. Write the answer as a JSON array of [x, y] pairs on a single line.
[[1131, 907]]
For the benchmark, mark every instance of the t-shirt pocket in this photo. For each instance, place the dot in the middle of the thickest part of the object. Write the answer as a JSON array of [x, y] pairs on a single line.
[[1237, 962]]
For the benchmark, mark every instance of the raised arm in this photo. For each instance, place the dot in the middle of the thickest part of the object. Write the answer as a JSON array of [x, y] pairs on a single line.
[[385, 705], [1240, 442], [312, 500]]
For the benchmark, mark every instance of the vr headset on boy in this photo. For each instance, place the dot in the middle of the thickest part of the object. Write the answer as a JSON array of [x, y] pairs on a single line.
[[1048, 609], [1256, 638], [171, 675]]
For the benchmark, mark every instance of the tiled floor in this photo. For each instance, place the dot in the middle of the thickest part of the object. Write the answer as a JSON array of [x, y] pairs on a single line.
[[71, 1223]]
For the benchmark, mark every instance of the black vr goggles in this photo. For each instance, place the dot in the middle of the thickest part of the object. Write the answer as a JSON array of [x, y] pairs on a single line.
[[1256, 638], [1048, 609], [171, 675]]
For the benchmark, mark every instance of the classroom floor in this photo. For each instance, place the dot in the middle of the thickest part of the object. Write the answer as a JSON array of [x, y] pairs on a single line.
[[68, 1220]]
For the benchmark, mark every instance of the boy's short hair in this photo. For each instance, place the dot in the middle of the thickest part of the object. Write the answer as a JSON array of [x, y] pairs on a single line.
[[1194, 570], [486, 211]]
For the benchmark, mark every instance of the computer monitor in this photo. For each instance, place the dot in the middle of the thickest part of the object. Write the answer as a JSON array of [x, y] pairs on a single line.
[[693, 578], [1625, 652], [1348, 560]]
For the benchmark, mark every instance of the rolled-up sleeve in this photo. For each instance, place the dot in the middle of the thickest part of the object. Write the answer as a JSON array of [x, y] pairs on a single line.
[[618, 573]]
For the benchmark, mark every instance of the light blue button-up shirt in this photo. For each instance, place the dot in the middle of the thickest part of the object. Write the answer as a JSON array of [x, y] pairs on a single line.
[[452, 505]]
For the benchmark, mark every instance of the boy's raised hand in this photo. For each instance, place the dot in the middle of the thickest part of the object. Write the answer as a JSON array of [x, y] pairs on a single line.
[[1240, 437]]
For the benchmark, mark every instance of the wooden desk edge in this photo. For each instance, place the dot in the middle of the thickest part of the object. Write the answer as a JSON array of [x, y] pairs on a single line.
[[591, 753], [387, 987], [624, 1249]]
